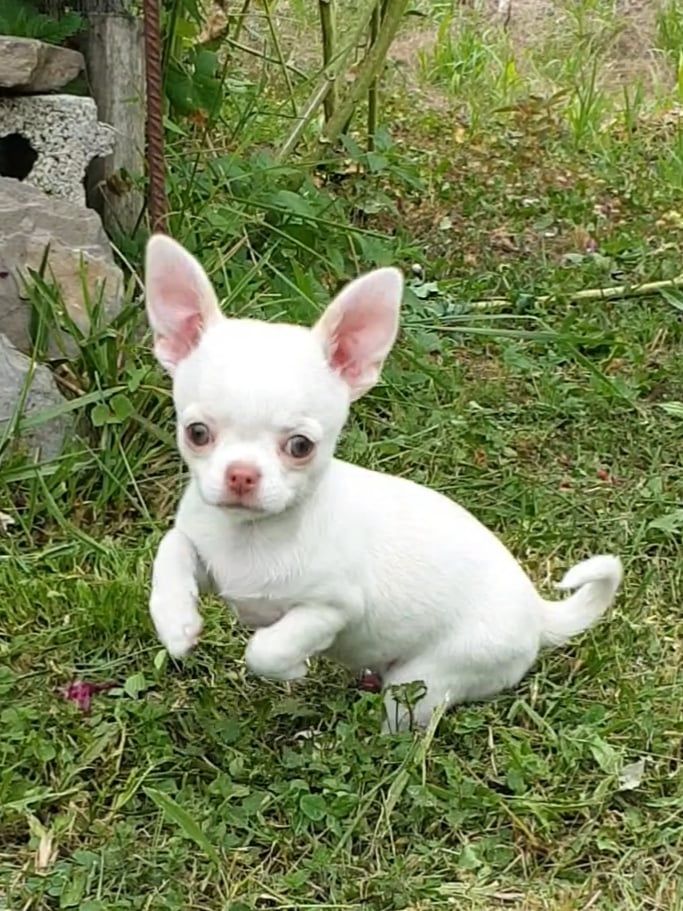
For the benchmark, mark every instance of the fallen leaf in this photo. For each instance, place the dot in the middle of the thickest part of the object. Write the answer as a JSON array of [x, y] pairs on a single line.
[[6, 521], [501, 239], [582, 240], [673, 218], [45, 854], [480, 458], [631, 775]]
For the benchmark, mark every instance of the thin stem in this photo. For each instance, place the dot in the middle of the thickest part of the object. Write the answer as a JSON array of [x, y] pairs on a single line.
[[320, 90], [280, 56], [255, 52], [328, 28], [504, 12], [373, 90], [370, 68], [241, 16], [614, 292], [307, 114], [617, 292]]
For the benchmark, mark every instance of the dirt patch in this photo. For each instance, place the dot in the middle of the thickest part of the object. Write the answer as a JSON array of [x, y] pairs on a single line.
[[405, 54], [626, 39], [629, 55]]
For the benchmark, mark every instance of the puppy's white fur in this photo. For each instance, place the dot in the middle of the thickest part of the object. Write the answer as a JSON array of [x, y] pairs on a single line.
[[326, 557]]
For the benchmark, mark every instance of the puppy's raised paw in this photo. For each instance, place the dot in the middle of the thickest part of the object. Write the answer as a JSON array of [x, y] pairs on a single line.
[[178, 626]]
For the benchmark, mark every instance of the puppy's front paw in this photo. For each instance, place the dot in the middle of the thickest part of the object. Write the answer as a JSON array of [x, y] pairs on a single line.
[[180, 642], [178, 624], [265, 657]]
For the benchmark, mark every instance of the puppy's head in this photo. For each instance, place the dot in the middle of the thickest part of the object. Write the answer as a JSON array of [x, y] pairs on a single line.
[[260, 405]]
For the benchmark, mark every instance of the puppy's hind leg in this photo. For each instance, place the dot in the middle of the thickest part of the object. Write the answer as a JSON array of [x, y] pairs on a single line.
[[442, 689], [450, 679]]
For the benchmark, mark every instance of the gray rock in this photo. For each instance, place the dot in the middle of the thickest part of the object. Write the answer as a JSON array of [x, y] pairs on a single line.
[[32, 223], [32, 389], [28, 65], [64, 135]]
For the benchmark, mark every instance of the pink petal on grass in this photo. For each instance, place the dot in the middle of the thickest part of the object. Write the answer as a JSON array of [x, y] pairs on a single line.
[[80, 693]]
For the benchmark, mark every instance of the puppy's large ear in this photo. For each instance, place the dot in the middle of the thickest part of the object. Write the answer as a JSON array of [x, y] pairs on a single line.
[[359, 327], [180, 300]]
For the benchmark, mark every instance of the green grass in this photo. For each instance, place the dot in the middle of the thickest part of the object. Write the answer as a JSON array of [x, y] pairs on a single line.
[[559, 424], [670, 28]]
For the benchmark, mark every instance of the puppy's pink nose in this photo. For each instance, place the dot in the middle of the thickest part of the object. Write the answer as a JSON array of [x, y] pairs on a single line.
[[242, 478]]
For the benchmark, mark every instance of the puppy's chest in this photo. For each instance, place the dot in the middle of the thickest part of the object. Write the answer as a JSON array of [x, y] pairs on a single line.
[[258, 612], [259, 577], [260, 589]]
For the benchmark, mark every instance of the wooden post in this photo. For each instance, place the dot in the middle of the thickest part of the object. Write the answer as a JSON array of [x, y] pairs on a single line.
[[114, 53]]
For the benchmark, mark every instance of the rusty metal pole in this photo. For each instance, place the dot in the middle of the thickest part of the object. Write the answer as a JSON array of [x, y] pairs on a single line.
[[158, 206]]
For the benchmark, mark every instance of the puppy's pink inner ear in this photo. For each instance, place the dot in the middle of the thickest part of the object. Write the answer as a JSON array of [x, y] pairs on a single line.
[[181, 340], [180, 300], [176, 314], [361, 339], [346, 351], [359, 327]]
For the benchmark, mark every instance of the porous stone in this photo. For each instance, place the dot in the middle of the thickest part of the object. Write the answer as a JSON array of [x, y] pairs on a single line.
[[35, 227], [29, 65], [65, 135], [31, 388]]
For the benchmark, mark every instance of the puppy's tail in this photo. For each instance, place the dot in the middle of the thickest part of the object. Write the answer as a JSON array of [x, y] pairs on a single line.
[[596, 581]]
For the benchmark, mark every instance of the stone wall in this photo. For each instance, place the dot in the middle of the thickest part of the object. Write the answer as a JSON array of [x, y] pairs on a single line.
[[46, 142]]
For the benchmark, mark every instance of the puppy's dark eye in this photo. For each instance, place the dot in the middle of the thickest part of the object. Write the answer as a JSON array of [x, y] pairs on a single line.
[[198, 434], [299, 447]]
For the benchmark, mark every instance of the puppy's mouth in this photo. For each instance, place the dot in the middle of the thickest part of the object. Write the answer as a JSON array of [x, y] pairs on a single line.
[[245, 507], [241, 506], [245, 510], [236, 504]]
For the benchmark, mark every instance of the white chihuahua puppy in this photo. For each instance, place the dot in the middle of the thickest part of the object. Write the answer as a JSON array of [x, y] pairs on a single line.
[[318, 556]]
